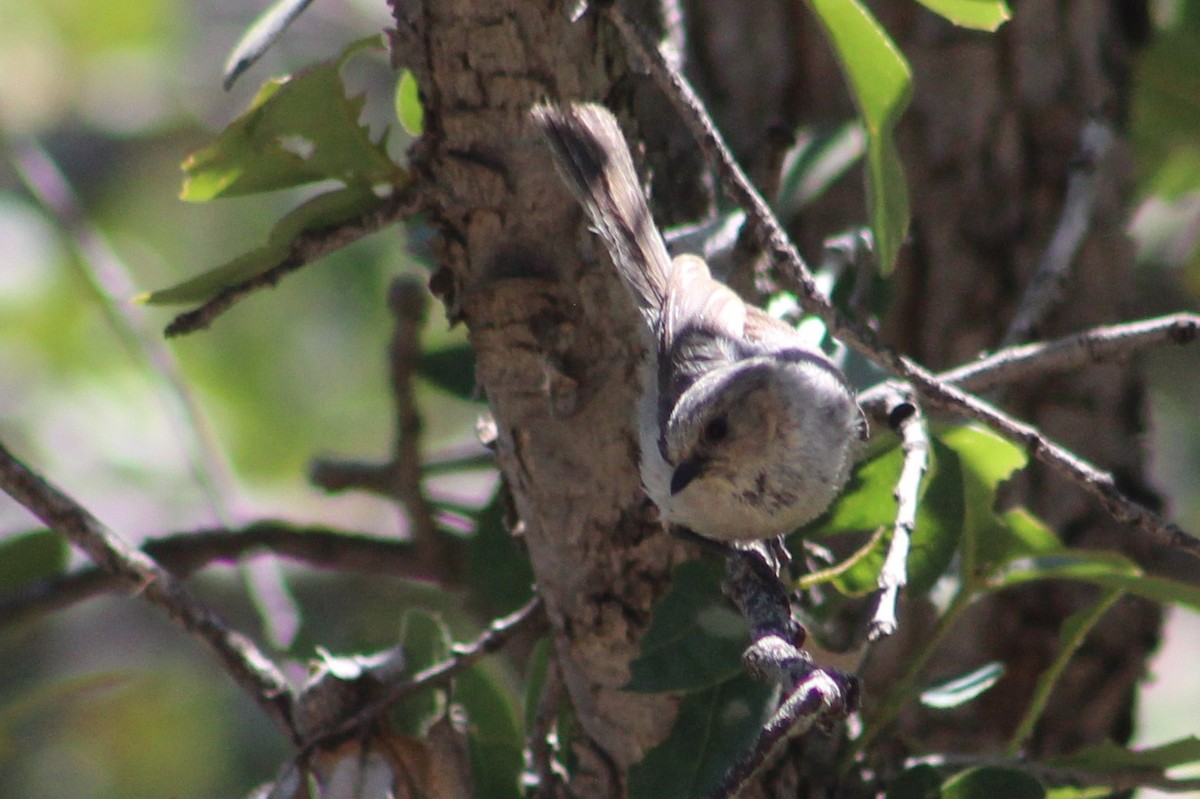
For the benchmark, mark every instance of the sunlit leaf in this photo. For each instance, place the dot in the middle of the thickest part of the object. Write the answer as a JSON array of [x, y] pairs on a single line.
[[323, 211], [695, 640], [493, 732], [409, 110], [259, 37], [281, 142], [32, 556], [961, 690], [992, 782], [881, 83], [712, 728], [984, 15], [868, 501], [1110, 757], [817, 160]]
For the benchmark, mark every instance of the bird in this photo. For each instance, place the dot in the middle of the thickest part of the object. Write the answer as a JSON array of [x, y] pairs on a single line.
[[745, 431]]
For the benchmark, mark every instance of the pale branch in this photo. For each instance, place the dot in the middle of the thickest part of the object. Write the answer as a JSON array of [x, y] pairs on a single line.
[[401, 477], [141, 575], [498, 633], [797, 278], [1045, 287], [1098, 345], [905, 417], [183, 554], [304, 249]]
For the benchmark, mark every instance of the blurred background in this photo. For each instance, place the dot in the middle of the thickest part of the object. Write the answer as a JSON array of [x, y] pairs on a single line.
[[100, 101]]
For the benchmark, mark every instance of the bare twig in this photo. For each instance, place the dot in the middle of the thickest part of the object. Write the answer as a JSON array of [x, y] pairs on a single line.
[[237, 654], [1045, 287], [797, 277], [906, 419], [1099, 345], [185, 553], [400, 477], [493, 638], [305, 248]]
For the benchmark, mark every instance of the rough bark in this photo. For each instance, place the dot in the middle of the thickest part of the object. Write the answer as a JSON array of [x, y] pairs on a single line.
[[993, 125]]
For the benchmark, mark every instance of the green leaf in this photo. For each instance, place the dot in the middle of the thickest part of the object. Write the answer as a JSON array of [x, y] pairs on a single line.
[[259, 37], [500, 579], [694, 641], [922, 781], [1110, 757], [493, 732], [816, 162], [881, 83], [713, 727], [452, 369], [327, 210], [31, 556], [992, 782], [961, 690], [409, 109], [939, 522], [983, 15], [1166, 107], [299, 129], [426, 641], [1106, 569], [868, 501]]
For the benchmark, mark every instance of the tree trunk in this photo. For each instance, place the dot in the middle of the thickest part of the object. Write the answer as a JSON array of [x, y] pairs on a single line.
[[986, 144]]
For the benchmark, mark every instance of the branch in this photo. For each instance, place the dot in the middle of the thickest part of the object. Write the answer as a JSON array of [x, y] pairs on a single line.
[[498, 633], [141, 575], [1045, 287], [401, 477], [183, 554], [906, 419], [307, 247], [797, 277]]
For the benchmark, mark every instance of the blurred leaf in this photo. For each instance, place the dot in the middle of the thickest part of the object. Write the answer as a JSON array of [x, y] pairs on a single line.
[[1079, 792], [426, 642], [1106, 569], [538, 663], [494, 733], [499, 577], [922, 781], [32, 556], [961, 690], [881, 83], [452, 369], [281, 141], [984, 15], [1166, 107], [712, 729], [409, 110], [695, 640], [940, 517], [1109, 757], [992, 782], [816, 162], [259, 37], [326, 210]]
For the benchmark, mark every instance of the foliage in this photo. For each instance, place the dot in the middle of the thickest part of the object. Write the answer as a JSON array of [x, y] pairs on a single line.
[[964, 546]]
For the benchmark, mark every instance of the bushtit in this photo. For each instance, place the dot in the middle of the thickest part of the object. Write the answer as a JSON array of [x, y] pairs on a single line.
[[746, 432]]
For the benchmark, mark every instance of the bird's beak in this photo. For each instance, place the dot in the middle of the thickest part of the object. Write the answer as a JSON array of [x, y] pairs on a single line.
[[686, 472]]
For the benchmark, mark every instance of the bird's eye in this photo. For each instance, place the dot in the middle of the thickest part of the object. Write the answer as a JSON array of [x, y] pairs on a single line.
[[716, 430]]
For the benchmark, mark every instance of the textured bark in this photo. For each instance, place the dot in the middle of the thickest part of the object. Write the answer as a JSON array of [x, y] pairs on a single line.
[[992, 128]]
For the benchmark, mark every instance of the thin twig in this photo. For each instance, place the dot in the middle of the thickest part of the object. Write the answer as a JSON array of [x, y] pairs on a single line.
[[1099, 345], [1045, 287], [493, 638], [237, 654], [183, 554], [797, 278], [550, 777], [401, 477], [906, 419], [304, 249]]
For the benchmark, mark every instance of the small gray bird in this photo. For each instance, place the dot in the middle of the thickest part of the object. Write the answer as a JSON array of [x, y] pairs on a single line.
[[746, 432]]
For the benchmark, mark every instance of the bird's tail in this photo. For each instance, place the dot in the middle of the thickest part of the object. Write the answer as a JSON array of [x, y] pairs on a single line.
[[594, 160]]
